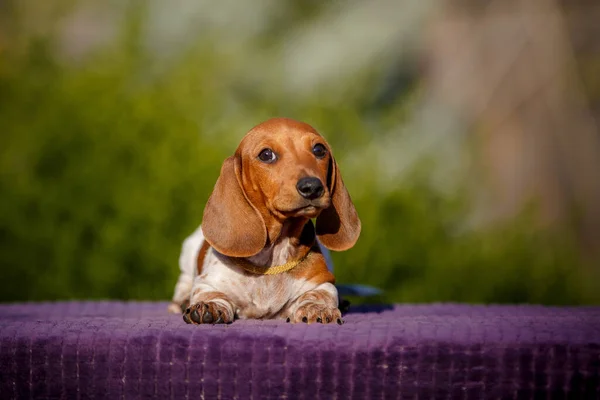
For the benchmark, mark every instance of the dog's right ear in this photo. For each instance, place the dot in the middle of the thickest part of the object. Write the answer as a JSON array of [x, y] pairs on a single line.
[[231, 224]]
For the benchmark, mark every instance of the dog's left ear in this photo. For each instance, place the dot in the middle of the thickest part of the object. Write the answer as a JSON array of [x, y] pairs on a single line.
[[338, 227]]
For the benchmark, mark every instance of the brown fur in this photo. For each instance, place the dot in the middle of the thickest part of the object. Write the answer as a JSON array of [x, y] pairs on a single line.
[[255, 212], [252, 200], [201, 257]]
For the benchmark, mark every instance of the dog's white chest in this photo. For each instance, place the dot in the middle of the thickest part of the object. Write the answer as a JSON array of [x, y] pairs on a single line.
[[256, 296]]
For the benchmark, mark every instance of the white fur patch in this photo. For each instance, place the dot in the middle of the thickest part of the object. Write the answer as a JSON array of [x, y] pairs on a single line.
[[254, 296]]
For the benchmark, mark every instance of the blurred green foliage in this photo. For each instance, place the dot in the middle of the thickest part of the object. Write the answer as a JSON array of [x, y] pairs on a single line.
[[105, 168]]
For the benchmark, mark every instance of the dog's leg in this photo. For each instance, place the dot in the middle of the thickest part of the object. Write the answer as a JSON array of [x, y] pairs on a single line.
[[318, 305], [181, 297], [209, 306], [188, 259]]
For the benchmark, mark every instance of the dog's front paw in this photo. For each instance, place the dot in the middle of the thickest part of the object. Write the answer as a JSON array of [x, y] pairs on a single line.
[[209, 312], [315, 312]]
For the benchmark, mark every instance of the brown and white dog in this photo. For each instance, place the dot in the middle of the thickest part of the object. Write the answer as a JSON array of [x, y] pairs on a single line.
[[257, 253]]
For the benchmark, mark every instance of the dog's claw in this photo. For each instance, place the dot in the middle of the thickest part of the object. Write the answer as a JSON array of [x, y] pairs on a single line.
[[195, 316], [220, 319], [207, 317]]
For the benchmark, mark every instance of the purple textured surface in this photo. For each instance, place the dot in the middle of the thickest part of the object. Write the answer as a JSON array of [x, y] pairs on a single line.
[[119, 350]]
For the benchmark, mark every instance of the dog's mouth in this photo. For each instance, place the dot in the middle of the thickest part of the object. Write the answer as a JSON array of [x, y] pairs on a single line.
[[310, 210]]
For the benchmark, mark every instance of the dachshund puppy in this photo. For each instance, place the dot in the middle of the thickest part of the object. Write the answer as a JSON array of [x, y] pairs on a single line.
[[257, 253]]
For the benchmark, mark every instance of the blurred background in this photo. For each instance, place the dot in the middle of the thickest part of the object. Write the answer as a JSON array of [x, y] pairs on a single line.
[[466, 132]]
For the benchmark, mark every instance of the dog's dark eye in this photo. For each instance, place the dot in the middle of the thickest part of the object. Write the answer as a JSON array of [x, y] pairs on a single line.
[[267, 156], [319, 150]]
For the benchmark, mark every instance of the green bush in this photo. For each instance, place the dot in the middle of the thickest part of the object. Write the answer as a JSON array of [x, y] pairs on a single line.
[[105, 169]]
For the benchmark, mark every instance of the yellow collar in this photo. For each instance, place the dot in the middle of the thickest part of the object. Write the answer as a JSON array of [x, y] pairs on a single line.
[[260, 270]]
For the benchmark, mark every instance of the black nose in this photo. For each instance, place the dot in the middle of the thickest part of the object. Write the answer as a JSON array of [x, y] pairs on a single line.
[[310, 188]]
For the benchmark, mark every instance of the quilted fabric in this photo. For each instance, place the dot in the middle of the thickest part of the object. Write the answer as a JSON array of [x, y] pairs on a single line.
[[79, 350]]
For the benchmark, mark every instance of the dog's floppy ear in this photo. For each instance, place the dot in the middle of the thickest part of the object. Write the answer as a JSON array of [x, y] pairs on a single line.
[[338, 226], [231, 224]]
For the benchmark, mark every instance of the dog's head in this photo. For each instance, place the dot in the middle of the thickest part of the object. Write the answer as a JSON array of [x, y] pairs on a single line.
[[282, 169]]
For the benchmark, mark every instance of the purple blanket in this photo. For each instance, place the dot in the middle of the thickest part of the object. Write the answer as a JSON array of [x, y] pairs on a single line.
[[118, 350]]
